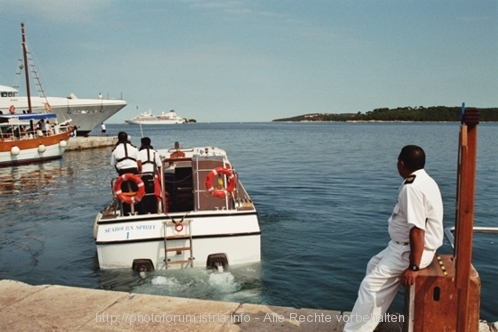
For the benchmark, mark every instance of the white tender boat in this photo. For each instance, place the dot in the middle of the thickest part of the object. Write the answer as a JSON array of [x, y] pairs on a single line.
[[147, 118], [205, 218]]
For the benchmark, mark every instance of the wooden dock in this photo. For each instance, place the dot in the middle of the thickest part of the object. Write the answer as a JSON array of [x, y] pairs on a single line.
[[90, 142]]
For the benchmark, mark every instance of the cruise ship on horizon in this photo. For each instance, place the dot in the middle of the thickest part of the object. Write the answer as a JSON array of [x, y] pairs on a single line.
[[147, 118]]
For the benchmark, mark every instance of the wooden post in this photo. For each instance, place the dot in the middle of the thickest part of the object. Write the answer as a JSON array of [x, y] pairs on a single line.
[[464, 222], [446, 295]]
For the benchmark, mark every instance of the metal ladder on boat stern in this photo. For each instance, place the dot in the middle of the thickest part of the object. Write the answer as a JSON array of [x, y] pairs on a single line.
[[188, 235]]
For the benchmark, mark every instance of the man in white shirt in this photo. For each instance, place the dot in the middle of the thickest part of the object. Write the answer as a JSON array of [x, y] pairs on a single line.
[[149, 165], [416, 231], [124, 159], [124, 155]]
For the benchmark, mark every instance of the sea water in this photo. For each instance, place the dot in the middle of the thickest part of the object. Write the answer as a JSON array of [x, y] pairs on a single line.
[[324, 192]]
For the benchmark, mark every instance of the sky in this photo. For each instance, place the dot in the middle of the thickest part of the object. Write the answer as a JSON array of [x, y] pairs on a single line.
[[258, 60]]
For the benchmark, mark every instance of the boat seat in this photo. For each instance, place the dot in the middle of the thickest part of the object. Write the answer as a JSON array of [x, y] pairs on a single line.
[[177, 154]]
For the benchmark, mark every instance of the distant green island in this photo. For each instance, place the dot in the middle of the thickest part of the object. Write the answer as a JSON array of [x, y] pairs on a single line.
[[409, 114]]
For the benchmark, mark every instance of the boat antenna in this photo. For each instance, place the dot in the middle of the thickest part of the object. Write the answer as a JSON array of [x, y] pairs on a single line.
[[140, 123], [25, 53]]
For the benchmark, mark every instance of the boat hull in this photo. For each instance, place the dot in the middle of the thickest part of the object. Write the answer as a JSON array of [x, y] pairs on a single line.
[[33, 150], [120, 243]]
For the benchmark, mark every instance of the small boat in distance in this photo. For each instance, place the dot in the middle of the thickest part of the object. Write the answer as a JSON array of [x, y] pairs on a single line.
[[30, 138], [147, 118], [204, 217]]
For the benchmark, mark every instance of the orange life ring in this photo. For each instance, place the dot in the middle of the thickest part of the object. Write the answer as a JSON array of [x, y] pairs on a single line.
[[179, 227], [48, 108], [125, 198], [12, 109], [221, 193]]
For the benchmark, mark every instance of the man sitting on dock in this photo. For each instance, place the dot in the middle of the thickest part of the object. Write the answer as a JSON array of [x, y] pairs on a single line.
[[416, 231]]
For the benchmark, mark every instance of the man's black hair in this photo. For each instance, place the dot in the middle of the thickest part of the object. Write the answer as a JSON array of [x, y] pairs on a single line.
[[413, 157], [145, 141], [122, 137]]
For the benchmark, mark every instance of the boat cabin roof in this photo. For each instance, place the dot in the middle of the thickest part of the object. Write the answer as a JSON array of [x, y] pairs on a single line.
[[207, 151], [8, 118], [7, 91]]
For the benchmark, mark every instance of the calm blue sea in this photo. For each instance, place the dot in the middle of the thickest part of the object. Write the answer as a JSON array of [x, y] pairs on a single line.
[[324, 192]]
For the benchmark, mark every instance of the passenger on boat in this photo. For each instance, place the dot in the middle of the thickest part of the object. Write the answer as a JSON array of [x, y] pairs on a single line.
[[39, 132], [149, 165], [416, 231], [50, 130], [124, 159]]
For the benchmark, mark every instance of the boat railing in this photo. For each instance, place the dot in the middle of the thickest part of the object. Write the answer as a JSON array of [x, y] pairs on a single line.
[[116, 205], [448, 231], [14, 131]]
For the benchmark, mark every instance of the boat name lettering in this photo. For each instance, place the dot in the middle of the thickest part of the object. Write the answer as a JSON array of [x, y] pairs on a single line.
[[129, 228], [145, 227], [114, 229]]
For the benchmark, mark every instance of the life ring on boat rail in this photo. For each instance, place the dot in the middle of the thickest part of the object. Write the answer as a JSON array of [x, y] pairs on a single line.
[[179, 227], [12, 109], [48, 108], [126, 197], [221, 193]]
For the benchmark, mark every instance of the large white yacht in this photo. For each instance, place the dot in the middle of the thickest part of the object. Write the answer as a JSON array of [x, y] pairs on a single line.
[[86, 114]]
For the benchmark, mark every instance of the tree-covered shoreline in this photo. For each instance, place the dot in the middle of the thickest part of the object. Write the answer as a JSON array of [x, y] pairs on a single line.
[[409, 114]]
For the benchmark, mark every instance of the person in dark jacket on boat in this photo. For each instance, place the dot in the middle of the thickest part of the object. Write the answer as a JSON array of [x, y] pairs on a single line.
[[124, 159], [416, 231], [149, 165]]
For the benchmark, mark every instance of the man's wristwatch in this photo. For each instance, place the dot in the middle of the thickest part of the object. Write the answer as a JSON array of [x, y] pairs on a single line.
[[413, 267]]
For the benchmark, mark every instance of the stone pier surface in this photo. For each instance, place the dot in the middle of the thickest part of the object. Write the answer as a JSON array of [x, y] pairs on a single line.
[[59, 308], [90, 142]]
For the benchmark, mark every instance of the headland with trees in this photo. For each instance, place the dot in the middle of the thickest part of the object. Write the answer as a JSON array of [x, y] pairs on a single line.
[[408, 114]]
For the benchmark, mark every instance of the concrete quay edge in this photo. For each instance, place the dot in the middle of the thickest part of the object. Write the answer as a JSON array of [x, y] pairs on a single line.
[[25, 307], [90, 142]]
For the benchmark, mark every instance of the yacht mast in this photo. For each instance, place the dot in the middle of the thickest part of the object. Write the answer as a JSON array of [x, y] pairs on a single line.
[[25, 53]]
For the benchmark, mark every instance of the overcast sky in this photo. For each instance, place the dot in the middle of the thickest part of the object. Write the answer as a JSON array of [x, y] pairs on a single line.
[[258, 60]]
